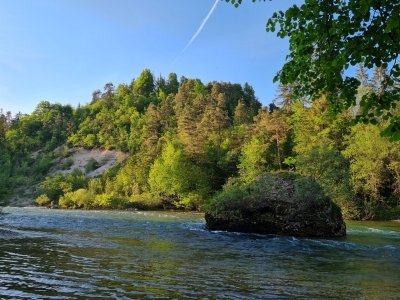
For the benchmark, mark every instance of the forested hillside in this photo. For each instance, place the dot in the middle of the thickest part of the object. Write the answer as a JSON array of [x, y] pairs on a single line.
[[185, 140]]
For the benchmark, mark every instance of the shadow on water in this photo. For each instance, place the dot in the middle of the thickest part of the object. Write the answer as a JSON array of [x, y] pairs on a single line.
[[131, 255]]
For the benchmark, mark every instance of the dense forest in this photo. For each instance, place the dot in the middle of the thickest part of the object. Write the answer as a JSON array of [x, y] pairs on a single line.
[[185, 140]]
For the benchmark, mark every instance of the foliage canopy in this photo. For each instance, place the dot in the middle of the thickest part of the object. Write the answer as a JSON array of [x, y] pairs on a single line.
[[327, 38], [184, 141]]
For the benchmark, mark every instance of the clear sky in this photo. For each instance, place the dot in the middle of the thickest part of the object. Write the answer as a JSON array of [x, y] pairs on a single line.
[[63, 50]]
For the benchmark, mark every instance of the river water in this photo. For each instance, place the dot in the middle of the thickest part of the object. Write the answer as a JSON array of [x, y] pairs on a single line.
[[61, 254]]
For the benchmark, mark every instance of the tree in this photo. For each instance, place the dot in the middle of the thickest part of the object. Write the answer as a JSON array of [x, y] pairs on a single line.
[[167, 113], [241, 114], [272, 129], [327, 166], [108, 95], [253, 160], [316, 126], [57, 185], [172, 84], [5, 162], [250, 99], [96, 96], [327, 37], [278, 131], [368, 155], [175, 178], [160, 87], [394, 167], [378, 80], [187, 131], [286, 96], [152, 130], [213, 122], [5, 171], [144, 84]]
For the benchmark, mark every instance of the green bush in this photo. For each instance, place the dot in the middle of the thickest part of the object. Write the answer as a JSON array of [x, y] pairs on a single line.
[[146, 201], [43, 200], [53, 187], [81, 198], [191, 201], [42, 165], [330, 169], [174, 178], [18, 180], [76, 180], [63, 152], [388, 214], [110, 201], [95, 186], [90, 141], [66, 164], [91, 165], [56, 186], [231, 201], [235, 199], [309, 192], [103, 201]]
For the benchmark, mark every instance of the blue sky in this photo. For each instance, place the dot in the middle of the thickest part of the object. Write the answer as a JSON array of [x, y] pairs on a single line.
[[63, 50]]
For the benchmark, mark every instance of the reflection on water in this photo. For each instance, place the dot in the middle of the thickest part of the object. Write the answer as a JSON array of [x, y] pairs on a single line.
[[57, 254]]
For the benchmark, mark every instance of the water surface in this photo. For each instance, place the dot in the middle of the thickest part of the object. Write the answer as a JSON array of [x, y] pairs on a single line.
[[60, 254]]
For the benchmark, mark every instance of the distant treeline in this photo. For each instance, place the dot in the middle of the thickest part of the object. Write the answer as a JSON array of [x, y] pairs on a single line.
[[185, 140]]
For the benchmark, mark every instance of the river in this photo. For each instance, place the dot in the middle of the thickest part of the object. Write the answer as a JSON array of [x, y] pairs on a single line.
[[65, 254]]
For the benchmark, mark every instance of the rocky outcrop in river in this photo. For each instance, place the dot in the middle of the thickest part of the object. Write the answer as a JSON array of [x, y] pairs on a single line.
[[281, 203]]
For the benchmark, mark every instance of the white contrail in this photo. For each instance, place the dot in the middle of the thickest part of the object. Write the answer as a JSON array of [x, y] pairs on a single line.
[[201, 26]]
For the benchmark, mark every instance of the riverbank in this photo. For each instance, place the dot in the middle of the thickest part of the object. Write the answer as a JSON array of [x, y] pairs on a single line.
[[30, 203], [63, 161]]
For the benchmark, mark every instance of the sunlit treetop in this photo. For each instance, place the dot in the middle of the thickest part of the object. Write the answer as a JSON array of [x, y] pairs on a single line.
[[327, 38]]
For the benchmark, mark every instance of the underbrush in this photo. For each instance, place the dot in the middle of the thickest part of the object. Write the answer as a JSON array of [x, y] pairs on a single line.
[[240, 198]]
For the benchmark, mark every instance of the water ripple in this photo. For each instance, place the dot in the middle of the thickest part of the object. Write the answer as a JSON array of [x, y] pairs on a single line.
[[162, 255]]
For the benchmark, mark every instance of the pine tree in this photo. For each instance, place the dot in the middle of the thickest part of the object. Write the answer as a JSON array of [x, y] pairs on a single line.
[[286, 97], [379, 80], [152, 132], [144, 84], [167, 113], [241, 114], [187, 132]]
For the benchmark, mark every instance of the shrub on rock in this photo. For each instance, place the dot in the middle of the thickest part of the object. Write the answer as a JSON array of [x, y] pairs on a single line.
[[276, 203]]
